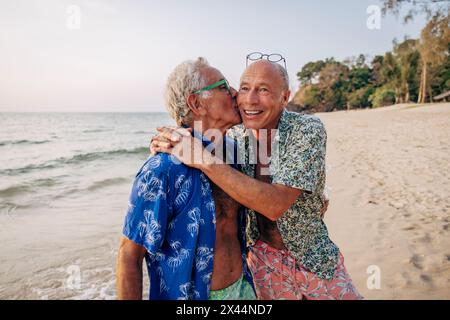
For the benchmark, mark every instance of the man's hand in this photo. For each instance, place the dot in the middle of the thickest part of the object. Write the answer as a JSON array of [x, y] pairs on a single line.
[[180, 143], [167, 138]]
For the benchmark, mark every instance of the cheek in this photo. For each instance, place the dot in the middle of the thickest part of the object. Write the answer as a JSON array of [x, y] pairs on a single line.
[[214, 110], [270, 103], [240, 99]]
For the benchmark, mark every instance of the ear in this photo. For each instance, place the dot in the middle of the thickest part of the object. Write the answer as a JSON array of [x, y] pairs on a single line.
[[195, 104], [285, 97]]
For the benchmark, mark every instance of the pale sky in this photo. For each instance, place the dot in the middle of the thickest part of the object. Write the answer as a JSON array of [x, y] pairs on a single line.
[[120, 57]]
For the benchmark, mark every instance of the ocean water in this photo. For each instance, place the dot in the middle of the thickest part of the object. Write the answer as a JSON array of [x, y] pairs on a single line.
[[65, 179]]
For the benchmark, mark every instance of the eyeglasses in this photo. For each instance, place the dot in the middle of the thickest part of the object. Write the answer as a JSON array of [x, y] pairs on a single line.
[[215, 85], [274, 57]]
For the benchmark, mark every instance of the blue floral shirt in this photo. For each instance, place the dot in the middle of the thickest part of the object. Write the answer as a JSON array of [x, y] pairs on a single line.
[[172, 214]]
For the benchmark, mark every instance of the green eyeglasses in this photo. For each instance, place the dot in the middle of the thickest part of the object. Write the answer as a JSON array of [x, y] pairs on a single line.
[[215, 85]]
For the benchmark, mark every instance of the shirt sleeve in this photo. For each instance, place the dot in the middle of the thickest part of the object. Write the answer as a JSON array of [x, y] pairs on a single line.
[[148, 210], [301, 163]]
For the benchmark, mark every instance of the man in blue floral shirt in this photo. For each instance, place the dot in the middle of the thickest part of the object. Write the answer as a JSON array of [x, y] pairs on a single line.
[[190, 232], [291, 255]]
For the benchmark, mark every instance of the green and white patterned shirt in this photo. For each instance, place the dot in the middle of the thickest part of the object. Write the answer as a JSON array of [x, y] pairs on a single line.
[[298, 161]]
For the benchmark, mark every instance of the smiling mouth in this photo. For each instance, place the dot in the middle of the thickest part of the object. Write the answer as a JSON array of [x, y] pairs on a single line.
[[252, 112]]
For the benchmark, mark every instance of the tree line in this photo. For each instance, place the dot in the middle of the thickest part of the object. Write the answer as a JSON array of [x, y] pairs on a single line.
[[415, 70]]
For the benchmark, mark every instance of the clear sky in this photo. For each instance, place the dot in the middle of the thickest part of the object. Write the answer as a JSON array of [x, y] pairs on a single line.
[[123, 51]]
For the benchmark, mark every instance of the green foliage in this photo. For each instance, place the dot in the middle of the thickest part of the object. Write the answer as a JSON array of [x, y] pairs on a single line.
[[395, 77], [415, 8], [415, 69], [359, 78], [310, 71], [312, 96], [360, 98], [383, 96], [433, 46]]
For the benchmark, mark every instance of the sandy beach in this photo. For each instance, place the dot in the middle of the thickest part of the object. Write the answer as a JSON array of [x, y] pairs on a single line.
[[388, 174], [388, 170]]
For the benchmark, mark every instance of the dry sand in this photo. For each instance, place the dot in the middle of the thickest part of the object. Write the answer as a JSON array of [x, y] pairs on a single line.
[[388, 170]]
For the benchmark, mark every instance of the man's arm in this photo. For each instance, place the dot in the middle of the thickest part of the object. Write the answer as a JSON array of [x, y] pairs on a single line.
[[129, 270], [271, 200]]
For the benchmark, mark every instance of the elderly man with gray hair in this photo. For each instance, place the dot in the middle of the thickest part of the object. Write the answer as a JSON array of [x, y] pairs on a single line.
[[189, 231], [291, 255]]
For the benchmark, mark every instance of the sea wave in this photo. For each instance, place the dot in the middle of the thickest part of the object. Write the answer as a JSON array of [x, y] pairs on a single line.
[[107, 182], [38, 184], [91, 156], [76, 159], [13, 191], [32, 186], [97, 130], [9, 208], [22, 142]]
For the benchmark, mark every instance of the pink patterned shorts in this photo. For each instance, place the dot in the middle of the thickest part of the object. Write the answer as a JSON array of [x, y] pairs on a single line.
[[276, 277]]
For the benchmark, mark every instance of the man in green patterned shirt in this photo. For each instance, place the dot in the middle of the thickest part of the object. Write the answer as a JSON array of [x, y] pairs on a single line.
[[291, 255]]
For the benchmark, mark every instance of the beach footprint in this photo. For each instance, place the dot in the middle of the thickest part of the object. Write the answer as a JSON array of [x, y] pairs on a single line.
[[417, 261]]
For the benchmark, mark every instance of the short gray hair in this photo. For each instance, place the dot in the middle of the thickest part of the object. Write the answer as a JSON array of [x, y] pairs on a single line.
[[184, 79], [284, 75]]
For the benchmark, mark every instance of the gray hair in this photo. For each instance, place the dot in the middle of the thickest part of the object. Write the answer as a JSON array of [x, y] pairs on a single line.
[[184, 79], [284, 75]]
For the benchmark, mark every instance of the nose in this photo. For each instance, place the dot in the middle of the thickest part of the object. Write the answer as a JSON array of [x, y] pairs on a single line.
[[251, 97]]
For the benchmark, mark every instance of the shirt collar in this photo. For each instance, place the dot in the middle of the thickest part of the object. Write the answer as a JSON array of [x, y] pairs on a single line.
[[205, 141], [229, 147], [196, 134]]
